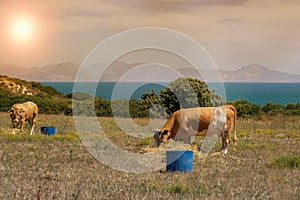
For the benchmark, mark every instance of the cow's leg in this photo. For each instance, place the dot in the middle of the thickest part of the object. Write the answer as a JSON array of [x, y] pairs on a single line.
[[183, 133], [32, 130], [13, 124], [234, 141], [225, 142], [32, 125], [210, 140], [22, 125]]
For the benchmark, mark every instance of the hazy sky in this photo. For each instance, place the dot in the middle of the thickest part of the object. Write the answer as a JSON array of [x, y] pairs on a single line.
[[235, 32]]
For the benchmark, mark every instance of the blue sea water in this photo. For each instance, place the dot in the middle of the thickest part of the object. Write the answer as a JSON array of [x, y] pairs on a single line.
[[257, 93]]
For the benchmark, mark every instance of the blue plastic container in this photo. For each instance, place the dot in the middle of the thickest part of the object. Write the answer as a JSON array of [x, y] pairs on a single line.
[[179, 160], [48, 130]]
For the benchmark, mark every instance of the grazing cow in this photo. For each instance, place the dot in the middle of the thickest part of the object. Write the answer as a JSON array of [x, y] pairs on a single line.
[[20, 113], [185, 123]]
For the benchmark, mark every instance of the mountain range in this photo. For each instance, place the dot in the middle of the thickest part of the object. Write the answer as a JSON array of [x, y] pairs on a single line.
[[66, 72]]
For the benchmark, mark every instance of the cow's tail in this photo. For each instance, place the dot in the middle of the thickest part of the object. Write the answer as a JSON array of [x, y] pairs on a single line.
[[234, 128]]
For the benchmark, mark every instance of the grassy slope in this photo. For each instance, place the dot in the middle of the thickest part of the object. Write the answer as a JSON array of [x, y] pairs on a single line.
[[60, 167]]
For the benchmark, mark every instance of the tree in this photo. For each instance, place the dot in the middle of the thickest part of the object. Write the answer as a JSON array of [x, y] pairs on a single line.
[[185, 93], [153, 104], [150, 98], [181, 93]]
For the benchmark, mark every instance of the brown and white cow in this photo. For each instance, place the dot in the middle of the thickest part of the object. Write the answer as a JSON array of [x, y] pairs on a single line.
[[20, 113], [186, 123]]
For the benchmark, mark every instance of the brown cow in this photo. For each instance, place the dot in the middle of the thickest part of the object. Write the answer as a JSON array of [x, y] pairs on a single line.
[[185, 123], [20, 113]]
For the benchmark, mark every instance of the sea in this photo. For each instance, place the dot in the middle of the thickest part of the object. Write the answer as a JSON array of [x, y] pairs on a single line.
[[256, 93]]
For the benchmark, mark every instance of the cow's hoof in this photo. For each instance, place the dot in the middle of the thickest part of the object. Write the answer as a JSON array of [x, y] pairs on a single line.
[[202, 155], [224, 152]]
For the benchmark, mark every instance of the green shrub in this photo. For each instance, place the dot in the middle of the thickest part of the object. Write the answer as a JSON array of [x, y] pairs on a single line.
[[292, 109], [144, 142], [273, 108], [79, 96], [103, 107], [245, 109], [202, 189], [286, 161], [176, 188], [241, 133]]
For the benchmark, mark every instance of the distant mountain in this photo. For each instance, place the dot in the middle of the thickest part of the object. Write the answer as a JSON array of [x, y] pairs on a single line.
[[55, 72], [66, 72], [258, 73]]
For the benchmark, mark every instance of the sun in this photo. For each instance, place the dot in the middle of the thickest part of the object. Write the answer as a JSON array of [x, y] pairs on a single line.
[[22, 30]]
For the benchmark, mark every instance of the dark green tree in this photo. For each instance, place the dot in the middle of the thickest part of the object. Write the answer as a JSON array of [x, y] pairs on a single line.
[[185, 93], [150, 98], [153, 104]]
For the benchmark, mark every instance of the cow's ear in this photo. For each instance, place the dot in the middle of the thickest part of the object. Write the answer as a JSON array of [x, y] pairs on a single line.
[[165, 132]]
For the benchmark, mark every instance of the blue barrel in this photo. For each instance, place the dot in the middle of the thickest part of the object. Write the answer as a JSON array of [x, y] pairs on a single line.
[[179, 160], [48, 130]]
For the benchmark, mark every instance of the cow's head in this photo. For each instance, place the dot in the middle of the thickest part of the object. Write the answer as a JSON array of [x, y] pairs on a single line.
[[16, 115], [12, 114], [160, 136]]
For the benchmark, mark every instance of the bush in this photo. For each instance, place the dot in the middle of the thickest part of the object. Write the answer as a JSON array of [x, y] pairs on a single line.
[[137, 109], [245, 109], [273, 108], [79, 96], [103, 107], [176, 188], [285, 161], [292, 109]]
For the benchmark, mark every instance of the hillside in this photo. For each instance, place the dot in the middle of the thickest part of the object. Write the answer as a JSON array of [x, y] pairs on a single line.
[[66, 72], [14, 86], [48, 99]]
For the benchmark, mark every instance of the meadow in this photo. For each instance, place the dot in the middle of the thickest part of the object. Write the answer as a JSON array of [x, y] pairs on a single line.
[[266, 164]]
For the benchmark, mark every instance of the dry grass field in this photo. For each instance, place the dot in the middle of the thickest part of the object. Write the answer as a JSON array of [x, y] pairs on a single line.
[[265, 166]]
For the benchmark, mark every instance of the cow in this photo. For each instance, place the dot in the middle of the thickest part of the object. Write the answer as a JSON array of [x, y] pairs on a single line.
[[20, 113], [186, 123]]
